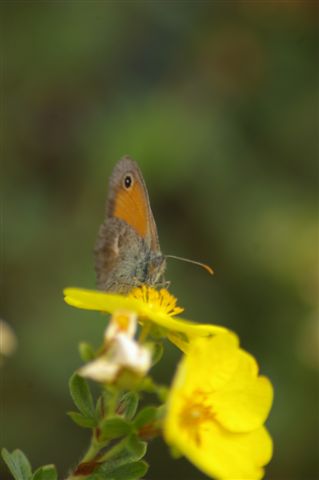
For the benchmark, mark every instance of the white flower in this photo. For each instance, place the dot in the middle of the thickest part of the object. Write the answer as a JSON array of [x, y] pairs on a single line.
[[122, 321], [122, 352]]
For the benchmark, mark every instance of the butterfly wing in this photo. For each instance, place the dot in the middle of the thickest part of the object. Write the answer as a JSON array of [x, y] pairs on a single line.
[[132, 205], [127, 250], [120, 257]]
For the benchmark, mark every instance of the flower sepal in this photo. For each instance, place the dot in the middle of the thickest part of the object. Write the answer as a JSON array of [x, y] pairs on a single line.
[[87, 352]]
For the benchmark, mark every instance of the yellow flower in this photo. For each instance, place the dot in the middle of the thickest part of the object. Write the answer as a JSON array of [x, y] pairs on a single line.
[[216, 409], [157, 307]]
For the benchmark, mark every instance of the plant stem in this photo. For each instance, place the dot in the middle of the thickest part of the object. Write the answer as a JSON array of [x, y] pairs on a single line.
[[92, 451], [90, 455], [112, 404]]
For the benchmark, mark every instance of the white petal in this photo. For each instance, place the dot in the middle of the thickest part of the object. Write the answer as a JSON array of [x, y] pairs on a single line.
[[128, 353], [100, 370]]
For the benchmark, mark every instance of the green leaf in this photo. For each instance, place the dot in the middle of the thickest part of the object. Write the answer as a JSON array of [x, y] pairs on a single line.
[[82, 421], [128, 405], [86, 352], [47, 472], [122, 458], [136, 447], [130, 471], [133, 451], [114, 427], [146, 416], [82, 396], [18, 464]]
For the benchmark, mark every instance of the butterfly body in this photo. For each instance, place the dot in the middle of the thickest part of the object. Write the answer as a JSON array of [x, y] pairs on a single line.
[[127, 251]]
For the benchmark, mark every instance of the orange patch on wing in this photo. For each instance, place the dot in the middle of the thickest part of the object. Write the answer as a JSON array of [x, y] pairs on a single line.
[[131, 206]]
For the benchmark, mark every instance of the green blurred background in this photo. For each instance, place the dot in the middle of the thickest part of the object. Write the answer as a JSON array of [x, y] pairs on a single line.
[[218, 102]]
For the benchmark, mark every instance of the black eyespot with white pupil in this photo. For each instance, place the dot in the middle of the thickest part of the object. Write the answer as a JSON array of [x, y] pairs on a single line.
[[128, 181]]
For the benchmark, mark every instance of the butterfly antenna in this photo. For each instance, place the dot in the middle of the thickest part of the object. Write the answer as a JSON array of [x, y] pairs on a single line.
[[200, 264]]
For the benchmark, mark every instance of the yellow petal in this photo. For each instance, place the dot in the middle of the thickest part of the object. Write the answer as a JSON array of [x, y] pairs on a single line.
[[221, 454], [243, 403], [180, 340], [211, 362], [263, 446], [100, 301], [109, 303]]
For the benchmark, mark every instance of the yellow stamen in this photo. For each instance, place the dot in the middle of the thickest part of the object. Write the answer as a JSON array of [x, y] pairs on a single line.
[[194, 414], [159, 299], [122, 320]]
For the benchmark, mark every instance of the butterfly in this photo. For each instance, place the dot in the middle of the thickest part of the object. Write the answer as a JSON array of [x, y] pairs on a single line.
[[127, 250]]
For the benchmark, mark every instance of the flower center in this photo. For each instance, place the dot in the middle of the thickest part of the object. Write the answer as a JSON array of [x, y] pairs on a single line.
[[195, 413], [157, 299]]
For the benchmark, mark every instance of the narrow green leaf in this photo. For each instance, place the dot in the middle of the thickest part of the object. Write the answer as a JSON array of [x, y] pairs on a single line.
[[128, 405], [157, 352], [47, 472], [145, 416], [114, 427], [82, 421], [82, 396], [103, 402], [99, 408], [18, 464], [130, 471]]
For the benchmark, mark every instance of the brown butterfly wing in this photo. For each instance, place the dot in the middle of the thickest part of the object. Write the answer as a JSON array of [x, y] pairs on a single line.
[[127, 250], [120, 257]]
